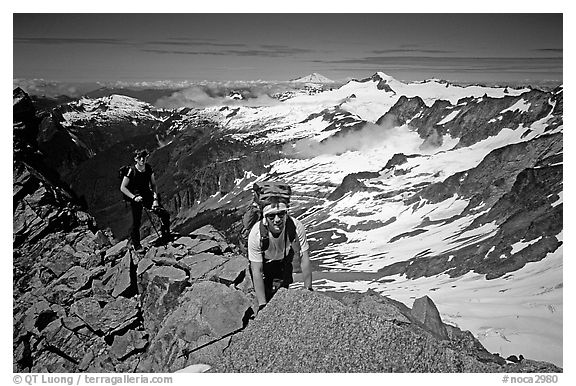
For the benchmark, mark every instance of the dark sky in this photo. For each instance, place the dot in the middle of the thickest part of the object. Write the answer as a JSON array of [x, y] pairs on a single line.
[[148, 47]]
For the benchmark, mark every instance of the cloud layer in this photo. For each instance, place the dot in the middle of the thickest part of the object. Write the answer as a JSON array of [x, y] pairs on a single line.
[[385, 137]]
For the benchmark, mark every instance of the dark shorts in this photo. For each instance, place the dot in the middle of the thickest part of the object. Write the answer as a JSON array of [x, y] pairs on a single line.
[[277, 274]]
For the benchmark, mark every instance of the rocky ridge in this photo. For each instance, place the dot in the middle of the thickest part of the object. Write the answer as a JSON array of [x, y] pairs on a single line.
[[83, 303]]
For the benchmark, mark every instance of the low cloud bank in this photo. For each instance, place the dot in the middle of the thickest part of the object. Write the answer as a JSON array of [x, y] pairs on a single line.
[[41, 87], [201, 96], [385, 137]]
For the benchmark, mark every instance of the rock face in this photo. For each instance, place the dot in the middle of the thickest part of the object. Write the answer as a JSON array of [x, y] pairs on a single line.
[[84, 304], [302, 331], [424, 310], [352, 183], [159, 313]]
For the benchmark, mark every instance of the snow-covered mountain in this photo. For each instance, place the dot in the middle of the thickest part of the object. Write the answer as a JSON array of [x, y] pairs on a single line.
[[408, 189], [449, 190], [312, 78], [106, 109]]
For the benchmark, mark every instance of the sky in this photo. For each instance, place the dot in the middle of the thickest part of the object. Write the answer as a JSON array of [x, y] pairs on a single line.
[[465, 47]]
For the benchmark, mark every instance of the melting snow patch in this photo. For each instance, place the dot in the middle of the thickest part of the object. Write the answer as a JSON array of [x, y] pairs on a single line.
[[489, 252], [521, 106], [517, 247], [449, 117], [559, 201]]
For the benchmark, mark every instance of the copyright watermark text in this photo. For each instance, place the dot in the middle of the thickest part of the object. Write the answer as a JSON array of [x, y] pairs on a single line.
[[544, 378], [89, 379]]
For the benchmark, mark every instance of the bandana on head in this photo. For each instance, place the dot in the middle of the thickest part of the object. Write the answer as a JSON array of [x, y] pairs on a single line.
[[274, 208]]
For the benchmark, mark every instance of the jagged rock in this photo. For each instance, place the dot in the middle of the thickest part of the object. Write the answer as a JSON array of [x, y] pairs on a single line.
[[112, 317], [206, 246], [72, 323], [143, 265], [50, 362], [86, 243], [466, 342], [513, 358], [170, 251], [207, 311], [200, 245], [25, 123], [69, 344], [186, 241], [102, 240], [60, 261], [125, 277], [201, 264], [396, 160], [208, 232], [116, 250], [76, 278], [425, 311], [531, 366], [352, 183], [162, 257], [160, 288], [233, 271], [86, 360], [101, 292], [102, 364], [93, 260], [60, 294], [88, 310], [37, 317], [246, 285], [173, 274], [128, 343]]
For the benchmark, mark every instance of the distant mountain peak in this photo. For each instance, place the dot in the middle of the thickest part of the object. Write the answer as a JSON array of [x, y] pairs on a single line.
[[382, 76], [313, 78]]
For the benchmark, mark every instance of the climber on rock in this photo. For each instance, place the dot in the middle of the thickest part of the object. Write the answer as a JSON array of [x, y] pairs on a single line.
[[139, 187], [277, 245]]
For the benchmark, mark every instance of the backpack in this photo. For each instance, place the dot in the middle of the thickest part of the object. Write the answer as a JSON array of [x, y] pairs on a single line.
[[123, 172], [253, 214]]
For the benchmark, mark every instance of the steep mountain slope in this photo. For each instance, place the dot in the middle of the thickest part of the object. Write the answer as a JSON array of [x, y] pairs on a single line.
[[76, 131], [83, 304], [405, 189], [476, 196]]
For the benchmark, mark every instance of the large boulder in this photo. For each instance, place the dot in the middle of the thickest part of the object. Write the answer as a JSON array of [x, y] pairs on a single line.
[[425, 311], [161, 287], [197, 330], [302, 331]]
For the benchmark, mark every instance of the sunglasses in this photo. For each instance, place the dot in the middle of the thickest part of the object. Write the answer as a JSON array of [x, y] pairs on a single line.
[[280, 215]]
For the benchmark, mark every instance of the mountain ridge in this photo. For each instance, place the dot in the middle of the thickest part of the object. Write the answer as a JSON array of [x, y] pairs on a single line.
[[399, 224]]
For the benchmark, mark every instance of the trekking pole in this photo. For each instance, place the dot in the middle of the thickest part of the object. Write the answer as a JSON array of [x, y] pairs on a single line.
[[151, 222]]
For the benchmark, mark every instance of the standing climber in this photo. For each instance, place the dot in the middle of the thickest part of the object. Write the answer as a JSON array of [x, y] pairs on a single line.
[[277, 244], [139, 187]]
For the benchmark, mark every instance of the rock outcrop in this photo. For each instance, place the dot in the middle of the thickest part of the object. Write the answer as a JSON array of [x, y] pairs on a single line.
[[172, 308], [302, 331], [82, 303]]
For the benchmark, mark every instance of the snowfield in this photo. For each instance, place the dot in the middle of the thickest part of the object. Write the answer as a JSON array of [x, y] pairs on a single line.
[[518, 313]]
